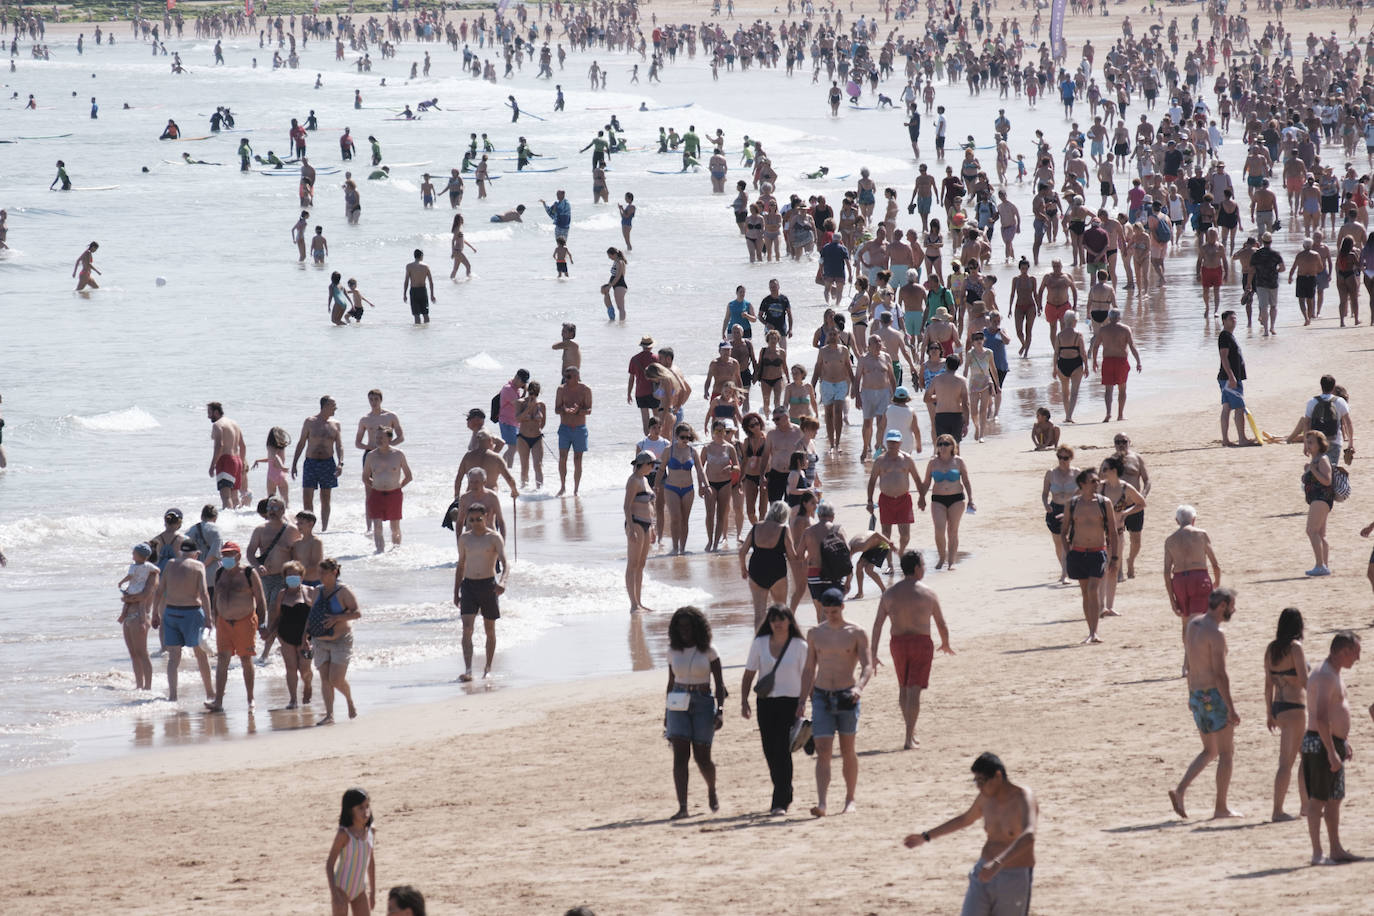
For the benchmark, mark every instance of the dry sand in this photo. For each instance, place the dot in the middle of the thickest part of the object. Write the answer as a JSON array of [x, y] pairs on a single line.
[[533, 800]]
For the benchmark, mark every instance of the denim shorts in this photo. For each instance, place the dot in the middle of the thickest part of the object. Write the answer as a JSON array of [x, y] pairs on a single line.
[[827, 718], [697, 723], [572, 437], [508, 431]]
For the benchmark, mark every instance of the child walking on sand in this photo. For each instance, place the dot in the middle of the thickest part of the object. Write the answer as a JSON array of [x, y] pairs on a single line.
[[136, 588], [351, 870], [277, 441]]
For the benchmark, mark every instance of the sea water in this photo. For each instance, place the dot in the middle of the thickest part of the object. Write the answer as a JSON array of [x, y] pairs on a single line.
[[105, 393]]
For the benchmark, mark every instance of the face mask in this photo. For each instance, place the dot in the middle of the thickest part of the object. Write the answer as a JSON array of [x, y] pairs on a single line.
[[229, 562], [293, 581]]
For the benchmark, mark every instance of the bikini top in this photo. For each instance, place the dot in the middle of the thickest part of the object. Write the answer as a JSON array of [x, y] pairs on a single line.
[[1062, 489], [771, 362], [1075, 348], [800, 400], [949, 476], [676, 465]]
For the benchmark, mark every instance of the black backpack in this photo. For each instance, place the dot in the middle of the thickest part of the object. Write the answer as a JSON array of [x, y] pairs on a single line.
[[495, 414], [1324, 418], [835, 562]]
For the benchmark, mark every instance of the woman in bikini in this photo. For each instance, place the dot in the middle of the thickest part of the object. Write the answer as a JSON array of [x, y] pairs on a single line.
[[531, 415], [933, 245], [800, 395], [456, 250], [724, 406], [277, 441], [1059, 487], [1024, 307], [615, 286], [772, 231], [1285, 698], [640, 532], [751, 462], [1068, 362], [680, 465], [858, 313], [720, 463], [1348, 279], [765, 557], [1317, 490], [753, 233], [1127, 500], [772, 376], [948, 484]]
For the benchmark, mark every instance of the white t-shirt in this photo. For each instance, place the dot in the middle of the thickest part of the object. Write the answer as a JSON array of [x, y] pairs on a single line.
[[1339, 405], [655, 447], [691, 666], [898, 417], [138, 577], [787, 682]]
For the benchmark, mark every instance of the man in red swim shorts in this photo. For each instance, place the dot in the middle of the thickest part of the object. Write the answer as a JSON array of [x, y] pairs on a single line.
[[911, 607], [1187, 552], [890, 473], [1115, 340], [385, 474], [1211, 269]]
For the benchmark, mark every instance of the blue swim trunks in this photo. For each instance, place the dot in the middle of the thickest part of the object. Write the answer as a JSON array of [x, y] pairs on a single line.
[[1232, 397], [833, 392], [572, 437], [1209, 710], [320, 474], [181, 626]]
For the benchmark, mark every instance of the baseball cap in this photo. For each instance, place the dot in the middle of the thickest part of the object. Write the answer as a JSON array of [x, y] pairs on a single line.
[[832, 597], [143, 550], [892, 436], [172, 513], [230, 547], [477, 412], [901, 394], [188, 545]]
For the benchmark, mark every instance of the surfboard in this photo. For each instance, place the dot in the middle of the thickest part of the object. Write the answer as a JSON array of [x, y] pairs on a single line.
[[408, 165], [527, 114], [189, 139], [108, 187], [416, 118], [670, 107], [50, 137], [673, 172], [526, 171]]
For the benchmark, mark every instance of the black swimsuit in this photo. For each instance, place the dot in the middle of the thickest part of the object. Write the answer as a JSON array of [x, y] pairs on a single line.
[[291, 626], [1067, 367], [767, 565]]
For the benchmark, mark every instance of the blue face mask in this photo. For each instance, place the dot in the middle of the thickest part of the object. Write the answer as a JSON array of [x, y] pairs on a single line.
[[229, 562], [293, 581]]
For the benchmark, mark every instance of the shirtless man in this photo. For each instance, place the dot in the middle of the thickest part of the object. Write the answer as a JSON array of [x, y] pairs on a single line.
[[895, 345], [911, 607], [482, 456], [308, 549], [1209, 697], [947, 397], [889, 475], [1059, 293], [1212, 269], [85, 266], [572, 403], [778, 445], [366, 436], [413, 289], [385, 475], [723, 370], [1001, 880], [833, 377], [1134, 472], [922, 196], [571, 349], [835, 646], [479, 494], [1186, 554], [1009, 217], [1264, 207], [476, 586], [1114, 339], [1092, 549], [1307, 264], [229, 459], [875, 384], [269, 549], [321, 438], [1325, 748], [1256, 171], [180, 606], [239, 606]]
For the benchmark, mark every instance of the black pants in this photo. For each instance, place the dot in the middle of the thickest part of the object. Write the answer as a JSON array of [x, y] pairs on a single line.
[[776, 715]]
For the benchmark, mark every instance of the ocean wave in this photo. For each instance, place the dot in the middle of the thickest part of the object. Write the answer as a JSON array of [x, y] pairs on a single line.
[[483, 360], [131, 419]]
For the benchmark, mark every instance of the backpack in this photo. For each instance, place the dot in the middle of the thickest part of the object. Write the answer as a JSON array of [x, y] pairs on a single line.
[[1161, 230], [1324, 418], [495, 414], [835, 562]]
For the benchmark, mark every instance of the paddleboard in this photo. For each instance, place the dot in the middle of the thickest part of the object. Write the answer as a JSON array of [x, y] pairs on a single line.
[[408, 165], [526, 171], [108, 187], [188, 139], [673, 172], [52, 137], [668, 107]]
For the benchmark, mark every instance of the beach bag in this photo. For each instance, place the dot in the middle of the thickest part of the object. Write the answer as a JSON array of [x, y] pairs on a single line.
[[1161, 230], [835, 562], [1340, 483], [314, 623]]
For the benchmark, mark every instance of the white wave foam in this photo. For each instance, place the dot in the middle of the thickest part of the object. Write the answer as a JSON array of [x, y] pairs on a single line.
[[131, 419], [483, 360]]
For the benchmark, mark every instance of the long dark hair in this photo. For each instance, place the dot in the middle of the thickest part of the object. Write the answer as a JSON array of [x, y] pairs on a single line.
[[352, 799], [701, 629], [1289, 631], [775, 611]]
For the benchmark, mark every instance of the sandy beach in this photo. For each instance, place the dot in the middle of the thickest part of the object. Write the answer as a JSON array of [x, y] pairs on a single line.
[[534, 799]]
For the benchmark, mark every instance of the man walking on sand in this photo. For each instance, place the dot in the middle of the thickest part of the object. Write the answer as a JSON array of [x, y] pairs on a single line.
[[835, 647], [890, 472], [1092, 547], [1000, 883], [1186, 554], [238, 607], [1324, 747], [476, 586], [1231, 378], [1209, 697], [911, 607], [1114, 339]]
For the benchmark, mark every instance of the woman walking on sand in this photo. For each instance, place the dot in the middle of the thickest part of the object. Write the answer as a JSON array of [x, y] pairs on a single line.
[[350, 868], [777, 657], [1285, 698], [693, 714], [765, 557], [1317, 490], [331, 635], [947, 483]]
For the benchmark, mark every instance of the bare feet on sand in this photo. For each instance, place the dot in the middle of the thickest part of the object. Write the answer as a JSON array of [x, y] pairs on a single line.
[[1225, 812], [1176, 800], [817, 811]]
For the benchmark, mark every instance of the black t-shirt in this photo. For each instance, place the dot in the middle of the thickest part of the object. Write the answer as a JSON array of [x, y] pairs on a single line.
[[1173, 161], [773, 311], [1197, 188], [1229, 350], [820, 214]]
